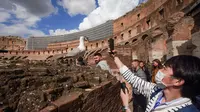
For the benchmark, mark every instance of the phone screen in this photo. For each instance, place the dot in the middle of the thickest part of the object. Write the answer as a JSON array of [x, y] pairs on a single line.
[[111, 44]]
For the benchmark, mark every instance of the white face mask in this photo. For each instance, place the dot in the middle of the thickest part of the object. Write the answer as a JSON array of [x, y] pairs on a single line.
[[158, 78]]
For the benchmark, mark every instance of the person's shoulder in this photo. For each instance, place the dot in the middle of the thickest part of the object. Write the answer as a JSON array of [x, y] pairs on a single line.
[[189, 108], [140, 71], [103, 62]]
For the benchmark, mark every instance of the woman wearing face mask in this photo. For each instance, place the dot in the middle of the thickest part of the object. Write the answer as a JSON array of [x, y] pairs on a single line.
[[178, 84]]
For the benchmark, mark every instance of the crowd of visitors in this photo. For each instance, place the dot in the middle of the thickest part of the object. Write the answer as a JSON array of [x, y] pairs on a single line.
[[174, 86], [169, 87]]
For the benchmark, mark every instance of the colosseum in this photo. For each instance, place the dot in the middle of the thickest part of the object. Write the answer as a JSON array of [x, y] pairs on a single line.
[[157, 29], [152, 30], [12, 43]]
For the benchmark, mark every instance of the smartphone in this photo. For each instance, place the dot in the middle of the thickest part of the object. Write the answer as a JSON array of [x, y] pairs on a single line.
[[123, 87], [111, 44]]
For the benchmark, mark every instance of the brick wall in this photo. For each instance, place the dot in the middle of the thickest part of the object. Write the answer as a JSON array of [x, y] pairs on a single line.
[[103, 98]]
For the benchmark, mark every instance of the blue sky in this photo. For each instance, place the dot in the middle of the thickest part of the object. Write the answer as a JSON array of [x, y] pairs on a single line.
[[61, 20], [27, 18]]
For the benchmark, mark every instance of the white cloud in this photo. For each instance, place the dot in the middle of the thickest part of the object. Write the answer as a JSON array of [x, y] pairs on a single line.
[[39, 8], [19, 30], [75, 7], [25, 15], [62, 31], [107, 10], [4, 16]]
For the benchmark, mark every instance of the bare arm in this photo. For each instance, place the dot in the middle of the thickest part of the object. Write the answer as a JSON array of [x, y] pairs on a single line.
[[125, 99]]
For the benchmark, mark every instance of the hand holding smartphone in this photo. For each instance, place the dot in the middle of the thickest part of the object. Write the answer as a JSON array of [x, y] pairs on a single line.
[[111, 45], [123, 87]]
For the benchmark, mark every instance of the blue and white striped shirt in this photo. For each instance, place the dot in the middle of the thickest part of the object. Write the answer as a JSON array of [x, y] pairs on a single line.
[[154, 93]]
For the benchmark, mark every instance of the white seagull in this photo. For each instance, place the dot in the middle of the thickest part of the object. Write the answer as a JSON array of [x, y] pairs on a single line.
[[80, 49], [75, 52]]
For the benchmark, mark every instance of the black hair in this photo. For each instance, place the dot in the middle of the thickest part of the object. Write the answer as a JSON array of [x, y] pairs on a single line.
[[80, 61], [136, 60], [187, 68], [141, 61], [160, 66], [98, 54]]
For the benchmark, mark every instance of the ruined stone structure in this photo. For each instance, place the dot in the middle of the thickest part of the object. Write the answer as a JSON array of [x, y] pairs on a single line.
[[156, 29], [12, 43], [33, 86]]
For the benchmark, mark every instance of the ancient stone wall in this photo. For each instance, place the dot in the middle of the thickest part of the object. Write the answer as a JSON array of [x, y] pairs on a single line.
[[56, 87], [12, 43], [196, 43], [32, 54], [144, 28]]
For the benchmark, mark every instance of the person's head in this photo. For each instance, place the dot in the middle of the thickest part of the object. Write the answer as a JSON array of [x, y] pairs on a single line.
[[80, 61], [157, 64], [135, 64], [97, 57], [182, 72], [142, 64]]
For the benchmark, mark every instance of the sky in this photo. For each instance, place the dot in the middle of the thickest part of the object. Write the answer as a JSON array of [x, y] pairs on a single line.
[[40, 18]]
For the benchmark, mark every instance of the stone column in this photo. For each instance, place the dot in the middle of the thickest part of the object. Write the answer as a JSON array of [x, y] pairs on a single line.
[[179, 31], [158, 48], [196, 42]]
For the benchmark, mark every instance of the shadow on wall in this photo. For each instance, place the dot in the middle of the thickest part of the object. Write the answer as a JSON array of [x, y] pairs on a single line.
[[186, 48]]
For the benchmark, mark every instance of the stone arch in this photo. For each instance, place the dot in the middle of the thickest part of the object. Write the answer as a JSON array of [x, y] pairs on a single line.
[[102, 43], [97, 45], [143, 48], [122, 36], [144, 37], [91, 46], [134, 40], [126, 43]]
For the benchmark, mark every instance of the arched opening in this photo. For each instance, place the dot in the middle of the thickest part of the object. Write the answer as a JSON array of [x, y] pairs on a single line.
[[91, 46], [97, 45], [122, 36], [102, 43], [129, 33], [134, 40], [126, 43], [86, 48], [144, 37]]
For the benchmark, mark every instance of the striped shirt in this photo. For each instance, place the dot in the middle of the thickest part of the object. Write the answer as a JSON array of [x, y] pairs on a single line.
[[154, 93]]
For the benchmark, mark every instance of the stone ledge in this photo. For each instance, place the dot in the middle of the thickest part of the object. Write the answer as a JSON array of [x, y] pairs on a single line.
[[64, 103]]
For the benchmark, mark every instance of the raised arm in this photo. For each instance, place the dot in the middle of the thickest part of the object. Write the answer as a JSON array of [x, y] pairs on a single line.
[[142, 86]]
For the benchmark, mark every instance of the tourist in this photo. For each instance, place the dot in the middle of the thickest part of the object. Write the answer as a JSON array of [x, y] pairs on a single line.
[[145, 69], [139, 101], [100, 62], [156, 65], [80, 61], [176, 88]]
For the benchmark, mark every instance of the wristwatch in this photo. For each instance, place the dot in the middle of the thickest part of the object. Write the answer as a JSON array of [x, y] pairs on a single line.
[[124, 108]]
